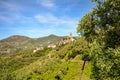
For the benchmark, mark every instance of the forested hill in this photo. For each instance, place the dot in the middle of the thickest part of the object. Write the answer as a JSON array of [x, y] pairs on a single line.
[[18, 42]]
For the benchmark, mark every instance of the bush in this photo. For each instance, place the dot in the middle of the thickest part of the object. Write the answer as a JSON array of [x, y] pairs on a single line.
[[106, 64], [72, 54], [86, 57]]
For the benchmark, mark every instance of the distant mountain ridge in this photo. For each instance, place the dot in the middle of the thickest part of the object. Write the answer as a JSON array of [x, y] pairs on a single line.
[[16, 42], [14, 37]]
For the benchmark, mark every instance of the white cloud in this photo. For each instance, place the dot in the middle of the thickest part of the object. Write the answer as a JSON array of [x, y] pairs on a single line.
[[47, 3], [54, 20], [13, 17], [10, 11], [60, 25], [46, 18]]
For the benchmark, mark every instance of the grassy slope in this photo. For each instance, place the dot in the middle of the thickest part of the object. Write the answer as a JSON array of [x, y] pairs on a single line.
[[54, 65], [49, 69]]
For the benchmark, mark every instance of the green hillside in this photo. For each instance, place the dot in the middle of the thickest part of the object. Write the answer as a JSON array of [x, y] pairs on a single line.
[[61, 63], [16, 42], [98, 49], [13, 41], [43, 41]]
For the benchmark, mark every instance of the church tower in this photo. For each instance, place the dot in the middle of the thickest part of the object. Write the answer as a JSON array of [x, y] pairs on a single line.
[[71, 35]]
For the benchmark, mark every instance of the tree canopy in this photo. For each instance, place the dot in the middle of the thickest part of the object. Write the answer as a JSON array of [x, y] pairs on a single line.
[[101, 28]]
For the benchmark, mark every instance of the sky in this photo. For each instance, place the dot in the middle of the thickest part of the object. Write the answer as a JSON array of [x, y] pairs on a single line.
[[38, 18]]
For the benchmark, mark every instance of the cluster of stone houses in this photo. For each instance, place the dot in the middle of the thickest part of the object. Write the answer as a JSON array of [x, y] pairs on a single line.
[[58, 43], [62, 41]]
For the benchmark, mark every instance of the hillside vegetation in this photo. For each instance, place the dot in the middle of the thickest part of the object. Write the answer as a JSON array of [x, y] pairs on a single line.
[[101, 29], [98, 48], [62, 63], [16, 42]]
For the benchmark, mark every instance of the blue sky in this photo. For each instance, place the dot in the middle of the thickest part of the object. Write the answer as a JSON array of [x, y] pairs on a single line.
[[37, 18]]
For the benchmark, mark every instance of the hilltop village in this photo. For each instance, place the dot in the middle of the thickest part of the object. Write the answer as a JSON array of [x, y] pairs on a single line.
[[16, 43], [64, 40]]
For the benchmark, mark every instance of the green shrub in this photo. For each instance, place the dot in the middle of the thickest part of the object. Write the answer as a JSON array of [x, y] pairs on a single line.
[[106, 64]]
